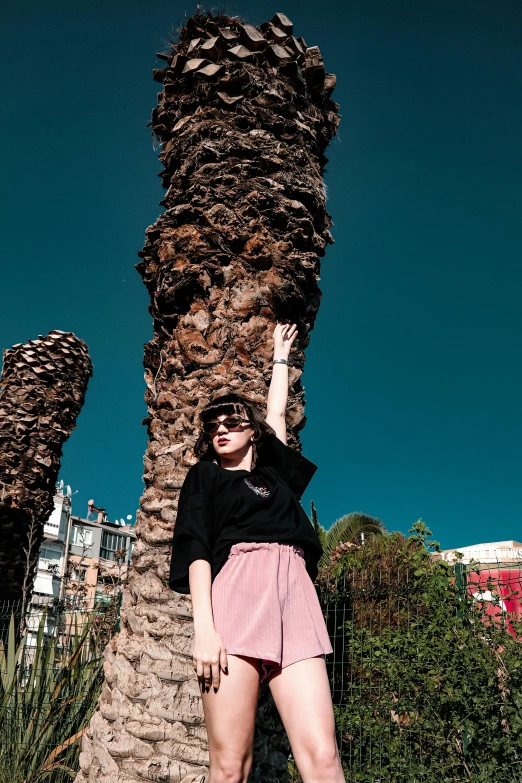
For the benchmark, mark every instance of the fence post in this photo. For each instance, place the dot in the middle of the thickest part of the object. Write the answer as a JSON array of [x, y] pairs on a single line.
[[117, 624], [461, 582]]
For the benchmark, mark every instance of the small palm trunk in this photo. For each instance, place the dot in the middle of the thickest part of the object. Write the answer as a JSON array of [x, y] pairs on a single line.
[[43, 387]]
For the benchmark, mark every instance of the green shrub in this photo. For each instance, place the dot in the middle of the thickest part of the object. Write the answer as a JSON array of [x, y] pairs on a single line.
[[426, 686]]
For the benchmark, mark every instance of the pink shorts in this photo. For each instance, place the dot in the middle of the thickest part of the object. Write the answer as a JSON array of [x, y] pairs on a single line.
[[265, 606]]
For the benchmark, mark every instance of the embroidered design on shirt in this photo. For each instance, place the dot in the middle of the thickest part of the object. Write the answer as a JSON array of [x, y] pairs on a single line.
[[263, 491]]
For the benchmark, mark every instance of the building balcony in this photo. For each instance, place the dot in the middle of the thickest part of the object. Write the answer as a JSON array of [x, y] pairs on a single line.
[[47, 584], [51, 530]]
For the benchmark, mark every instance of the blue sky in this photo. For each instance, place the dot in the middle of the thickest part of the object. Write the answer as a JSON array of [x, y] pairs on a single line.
[[413, 375]]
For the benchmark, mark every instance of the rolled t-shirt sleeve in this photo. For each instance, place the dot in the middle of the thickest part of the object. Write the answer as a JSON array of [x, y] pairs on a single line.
[[194, 528], [295, 470]]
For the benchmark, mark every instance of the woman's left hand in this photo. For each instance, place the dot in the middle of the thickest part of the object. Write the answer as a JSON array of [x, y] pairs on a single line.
[[284, 336]]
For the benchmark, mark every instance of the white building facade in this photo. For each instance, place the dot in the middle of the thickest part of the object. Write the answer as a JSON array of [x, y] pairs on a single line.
[[53, 550]]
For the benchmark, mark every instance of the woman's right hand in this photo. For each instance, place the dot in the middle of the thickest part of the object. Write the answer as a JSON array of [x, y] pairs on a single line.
[[208, 656], [284, 335]]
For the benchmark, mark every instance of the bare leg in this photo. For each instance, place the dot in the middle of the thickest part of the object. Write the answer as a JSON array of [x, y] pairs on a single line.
[[303, 699], [230, 719]]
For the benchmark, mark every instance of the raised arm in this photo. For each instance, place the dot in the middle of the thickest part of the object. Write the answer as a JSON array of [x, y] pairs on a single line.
[[284, 336]]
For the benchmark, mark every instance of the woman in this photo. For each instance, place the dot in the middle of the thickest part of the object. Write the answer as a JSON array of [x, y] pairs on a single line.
[[247, 553]]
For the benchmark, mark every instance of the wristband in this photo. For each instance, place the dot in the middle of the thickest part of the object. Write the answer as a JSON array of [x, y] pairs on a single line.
[[280, 361]]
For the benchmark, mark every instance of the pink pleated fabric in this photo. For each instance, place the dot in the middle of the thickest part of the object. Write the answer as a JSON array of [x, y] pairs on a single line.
[[265, 606]]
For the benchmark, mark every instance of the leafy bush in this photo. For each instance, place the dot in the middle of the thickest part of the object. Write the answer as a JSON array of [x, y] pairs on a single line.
[[426, 686]]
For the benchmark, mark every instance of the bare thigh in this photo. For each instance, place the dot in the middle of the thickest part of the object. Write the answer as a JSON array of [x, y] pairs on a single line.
[[230, 718], [303, 699]]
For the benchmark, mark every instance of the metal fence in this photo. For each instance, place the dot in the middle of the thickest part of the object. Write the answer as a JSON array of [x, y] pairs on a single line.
[[424, 678], [424, 674]]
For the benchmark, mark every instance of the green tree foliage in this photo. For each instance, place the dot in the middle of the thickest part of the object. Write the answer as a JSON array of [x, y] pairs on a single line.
[[426, 685]]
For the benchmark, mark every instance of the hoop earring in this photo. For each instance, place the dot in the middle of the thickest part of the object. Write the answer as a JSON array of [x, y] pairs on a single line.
[[254, 451]]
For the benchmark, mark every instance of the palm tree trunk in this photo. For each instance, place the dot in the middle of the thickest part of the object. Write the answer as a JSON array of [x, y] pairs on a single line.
[[43, 387], [243, 119]]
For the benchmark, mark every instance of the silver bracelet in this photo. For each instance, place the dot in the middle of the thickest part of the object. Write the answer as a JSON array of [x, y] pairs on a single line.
[[280, 361]]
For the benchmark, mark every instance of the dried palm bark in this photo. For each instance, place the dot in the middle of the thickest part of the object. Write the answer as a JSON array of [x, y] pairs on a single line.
[[244, 117], [43, 387]]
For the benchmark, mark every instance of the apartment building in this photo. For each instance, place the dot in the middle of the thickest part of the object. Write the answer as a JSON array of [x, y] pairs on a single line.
[[52, 555], [80, 557], [99, 556]]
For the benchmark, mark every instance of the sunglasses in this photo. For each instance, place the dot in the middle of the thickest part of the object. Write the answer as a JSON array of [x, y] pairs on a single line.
[[231, 422]]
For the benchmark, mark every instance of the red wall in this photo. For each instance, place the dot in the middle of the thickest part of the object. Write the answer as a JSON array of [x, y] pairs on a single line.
[[501, 582]]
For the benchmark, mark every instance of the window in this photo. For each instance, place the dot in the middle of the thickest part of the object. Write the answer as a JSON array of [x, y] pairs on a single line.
[[105, 579], [48, 558], [50, 553], [78, 574], [110, 544], [81, 536]]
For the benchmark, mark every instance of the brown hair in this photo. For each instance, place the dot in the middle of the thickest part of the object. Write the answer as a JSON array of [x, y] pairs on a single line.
[[227, 404]]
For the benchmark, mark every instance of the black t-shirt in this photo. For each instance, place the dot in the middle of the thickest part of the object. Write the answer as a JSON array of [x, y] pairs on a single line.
[[219, 507]]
